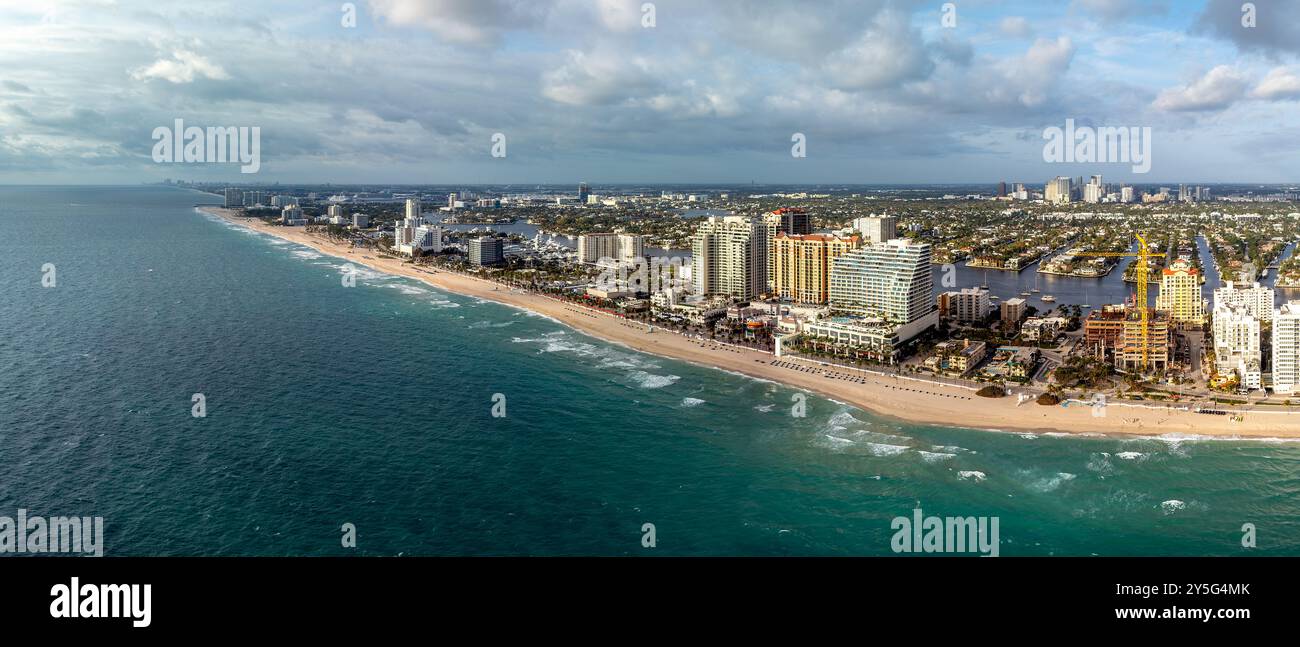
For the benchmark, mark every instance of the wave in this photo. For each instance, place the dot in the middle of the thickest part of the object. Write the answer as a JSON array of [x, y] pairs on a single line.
[[692, 402], [972, 475], [934, 457], [1171, 506]]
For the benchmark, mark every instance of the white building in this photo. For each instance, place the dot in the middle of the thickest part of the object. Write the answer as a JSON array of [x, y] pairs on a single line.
[[877, 229], [890, 280], [1236, 344], [1286, 348], [292, 215], [1257, 299], [968, 304], [360, 220], [621, 247], [1094, 190], [729, 257]]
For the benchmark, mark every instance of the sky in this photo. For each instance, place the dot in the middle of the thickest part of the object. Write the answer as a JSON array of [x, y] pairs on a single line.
[[630, 91]]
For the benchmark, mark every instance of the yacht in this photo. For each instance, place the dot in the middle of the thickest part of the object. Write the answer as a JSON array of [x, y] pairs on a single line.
[[1047, 298]]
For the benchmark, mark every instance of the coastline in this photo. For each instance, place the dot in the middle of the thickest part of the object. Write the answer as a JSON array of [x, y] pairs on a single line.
[[924, 402]]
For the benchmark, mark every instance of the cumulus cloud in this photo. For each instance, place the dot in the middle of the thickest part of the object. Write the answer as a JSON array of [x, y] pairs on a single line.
[[1218, 89], [183, 67], [888, 52], [1281, 83]]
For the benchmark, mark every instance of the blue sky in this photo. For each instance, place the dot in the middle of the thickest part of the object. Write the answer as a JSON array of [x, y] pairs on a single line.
[[883, 91]]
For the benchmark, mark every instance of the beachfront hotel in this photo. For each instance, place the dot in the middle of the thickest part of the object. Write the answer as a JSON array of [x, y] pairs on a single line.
[[1180, 294], [890, 280], [729, 257], [801, 265], [486, 250], [1236, 344], [620, 247], [1286, 348]]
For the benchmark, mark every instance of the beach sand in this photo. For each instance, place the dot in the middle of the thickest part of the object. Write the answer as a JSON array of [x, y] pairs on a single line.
[[909, 399]]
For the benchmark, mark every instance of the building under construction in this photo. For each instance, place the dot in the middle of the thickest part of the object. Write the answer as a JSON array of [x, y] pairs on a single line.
[[1114, 334]]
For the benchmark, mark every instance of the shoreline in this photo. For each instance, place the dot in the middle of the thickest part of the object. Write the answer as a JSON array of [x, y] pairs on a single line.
[[926, 402]]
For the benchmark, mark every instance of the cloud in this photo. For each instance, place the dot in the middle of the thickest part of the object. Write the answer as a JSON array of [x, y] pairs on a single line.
[[1276, 32], [1015, 27], [1281, 83], [1218, 89], [183, 67], [888, 52], [1114, 11], [472, 22]]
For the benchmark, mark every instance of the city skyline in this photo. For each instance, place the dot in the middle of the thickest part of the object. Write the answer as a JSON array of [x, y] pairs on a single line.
[[885, 92]]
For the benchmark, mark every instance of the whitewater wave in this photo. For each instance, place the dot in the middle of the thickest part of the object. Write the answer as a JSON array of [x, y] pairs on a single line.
[[692, 402], [972, 475], [934, 457]]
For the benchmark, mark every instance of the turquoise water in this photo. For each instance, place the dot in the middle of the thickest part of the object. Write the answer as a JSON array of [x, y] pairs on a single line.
[[371, 405]]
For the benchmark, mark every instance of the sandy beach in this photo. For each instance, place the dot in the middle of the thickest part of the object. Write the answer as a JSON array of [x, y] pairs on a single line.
[[911, 399]]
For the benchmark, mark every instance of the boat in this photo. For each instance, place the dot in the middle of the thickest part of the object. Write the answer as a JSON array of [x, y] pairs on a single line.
[[1024, 294], [1047, 298], [1036, 290]]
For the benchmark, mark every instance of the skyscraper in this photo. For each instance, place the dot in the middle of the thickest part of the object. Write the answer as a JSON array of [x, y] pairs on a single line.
[[412, 209], [1180, 294], [729, 257], [801, 265], [1057, 190], [234, 197], [621, 247], [1236, 344], [877, 229], [584, 191], [890, 280], [1286, 348]]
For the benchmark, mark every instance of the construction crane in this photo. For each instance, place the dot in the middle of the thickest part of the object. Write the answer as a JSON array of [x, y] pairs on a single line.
[[1141, 275]]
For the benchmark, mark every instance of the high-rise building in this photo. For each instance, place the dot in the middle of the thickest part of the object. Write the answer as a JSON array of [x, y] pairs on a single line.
[[1126, 194], [1257, 299], [788, 220], [801, 265], [334, 211], [877, 229], [584, 191], [729, 257], [1057, 190], [486, 250], [1012, 311], [1180, 294], [234, 197], [1002, 189], [890, 280], [966, 305], [1286, 348], [360, 220], [1236, 344], [620, 247], [1094, 190], [413, 209]]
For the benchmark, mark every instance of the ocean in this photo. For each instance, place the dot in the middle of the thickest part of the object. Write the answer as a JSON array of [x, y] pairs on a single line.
[[373, 406]]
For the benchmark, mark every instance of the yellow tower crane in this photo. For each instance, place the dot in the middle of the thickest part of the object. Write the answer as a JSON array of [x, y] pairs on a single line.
[[1142, 275]]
